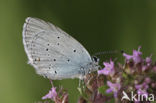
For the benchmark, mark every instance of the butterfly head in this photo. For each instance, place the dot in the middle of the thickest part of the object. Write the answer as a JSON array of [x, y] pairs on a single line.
[[95, 63], [95, 59]]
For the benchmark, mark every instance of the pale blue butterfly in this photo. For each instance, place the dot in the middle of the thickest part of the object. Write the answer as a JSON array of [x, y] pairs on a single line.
[[55, 54]]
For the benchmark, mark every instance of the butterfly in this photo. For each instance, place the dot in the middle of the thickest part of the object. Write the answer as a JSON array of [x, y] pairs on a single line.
[[54, 53]]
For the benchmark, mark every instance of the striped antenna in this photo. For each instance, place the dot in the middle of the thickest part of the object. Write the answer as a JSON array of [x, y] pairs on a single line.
[[108, 52]]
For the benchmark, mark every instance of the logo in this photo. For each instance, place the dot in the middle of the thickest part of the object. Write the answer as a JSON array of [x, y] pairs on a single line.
[[137, 97]]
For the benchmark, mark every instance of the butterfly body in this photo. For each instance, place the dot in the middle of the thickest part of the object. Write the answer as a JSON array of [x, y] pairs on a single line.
[[53, 53]]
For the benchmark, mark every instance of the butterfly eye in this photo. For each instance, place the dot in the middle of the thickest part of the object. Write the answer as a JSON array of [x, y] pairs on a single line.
[[95, 59]]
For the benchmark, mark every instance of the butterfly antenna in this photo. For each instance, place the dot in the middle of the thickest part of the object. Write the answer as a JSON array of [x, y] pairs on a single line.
[[109, 52]]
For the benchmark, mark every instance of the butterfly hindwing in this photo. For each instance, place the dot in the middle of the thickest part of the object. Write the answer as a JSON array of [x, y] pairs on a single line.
[[52, 52]]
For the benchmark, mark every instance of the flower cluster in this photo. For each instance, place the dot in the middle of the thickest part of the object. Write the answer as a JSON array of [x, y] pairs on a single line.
[[110, 83]]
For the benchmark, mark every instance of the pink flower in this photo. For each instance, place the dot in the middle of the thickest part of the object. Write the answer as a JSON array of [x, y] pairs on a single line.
[[128, 57], [51, 95], [142, 88], [108, 69], [144, 85], [114, 87], [147, 80], [136, 57], [142, 92], [148, 60]]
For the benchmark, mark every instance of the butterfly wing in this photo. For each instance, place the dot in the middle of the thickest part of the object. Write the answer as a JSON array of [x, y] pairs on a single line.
[[52, 52]]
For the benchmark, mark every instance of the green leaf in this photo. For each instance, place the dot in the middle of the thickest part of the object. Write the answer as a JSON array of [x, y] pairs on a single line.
[[102, 89]]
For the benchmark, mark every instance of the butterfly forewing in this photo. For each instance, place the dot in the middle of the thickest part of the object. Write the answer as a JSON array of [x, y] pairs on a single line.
[[52, 52]]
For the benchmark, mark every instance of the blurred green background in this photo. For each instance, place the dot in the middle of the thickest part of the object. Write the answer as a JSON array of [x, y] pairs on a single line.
[[99, 25]]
